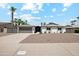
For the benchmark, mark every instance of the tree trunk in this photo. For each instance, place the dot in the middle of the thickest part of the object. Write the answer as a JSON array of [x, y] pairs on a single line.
[[12, 17]]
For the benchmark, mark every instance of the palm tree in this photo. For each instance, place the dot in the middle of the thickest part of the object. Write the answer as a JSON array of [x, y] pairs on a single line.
[[12, 9]]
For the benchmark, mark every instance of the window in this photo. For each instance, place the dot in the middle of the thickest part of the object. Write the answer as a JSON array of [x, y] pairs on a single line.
[[48, 29], [59, 28]]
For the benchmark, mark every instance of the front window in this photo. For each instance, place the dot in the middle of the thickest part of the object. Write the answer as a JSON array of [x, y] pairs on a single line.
[[59, 28], [48, 29]]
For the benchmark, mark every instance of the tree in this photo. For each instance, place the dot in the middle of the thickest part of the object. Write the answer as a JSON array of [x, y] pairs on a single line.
[[12, 9], [41, 23], [15, 21], [72, 23], [19, 21], [78, 21], [23, 23], [77, 17], [44, 23], [26, 22]]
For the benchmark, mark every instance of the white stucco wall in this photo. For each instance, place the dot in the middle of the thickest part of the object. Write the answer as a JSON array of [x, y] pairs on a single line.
[[63, 30], [5, 30], [43, 29], [53, 30], [33, 30]]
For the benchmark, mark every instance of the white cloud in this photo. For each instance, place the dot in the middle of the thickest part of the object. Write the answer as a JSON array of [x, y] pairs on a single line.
[[64, 9], [9, 13], [73, 19], [34, 7], [27, 6], [45, 16], [8, 6], [3, 5], [36, 11], [16, 16], [54, 10], [28, 17], [66, 6], [51, 16]]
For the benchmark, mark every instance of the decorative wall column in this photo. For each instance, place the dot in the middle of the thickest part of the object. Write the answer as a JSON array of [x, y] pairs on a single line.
[[33, 29], [5, 30], [17, 29]]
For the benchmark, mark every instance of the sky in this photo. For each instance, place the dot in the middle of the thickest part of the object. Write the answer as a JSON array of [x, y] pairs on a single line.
[[35, 13]]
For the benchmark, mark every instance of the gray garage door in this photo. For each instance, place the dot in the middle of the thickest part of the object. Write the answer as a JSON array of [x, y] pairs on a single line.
[[25, 29]]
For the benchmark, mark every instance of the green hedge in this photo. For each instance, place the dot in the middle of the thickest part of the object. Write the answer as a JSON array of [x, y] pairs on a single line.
[[77, 31]]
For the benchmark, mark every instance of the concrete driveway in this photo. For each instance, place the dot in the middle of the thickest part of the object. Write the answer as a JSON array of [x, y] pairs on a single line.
[[10, 46]]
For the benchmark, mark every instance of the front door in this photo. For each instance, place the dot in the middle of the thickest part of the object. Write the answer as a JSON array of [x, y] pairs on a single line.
[[37, 29]]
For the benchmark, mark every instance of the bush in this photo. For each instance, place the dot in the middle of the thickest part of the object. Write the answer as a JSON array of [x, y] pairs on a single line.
[[45, 32], [76, 31]]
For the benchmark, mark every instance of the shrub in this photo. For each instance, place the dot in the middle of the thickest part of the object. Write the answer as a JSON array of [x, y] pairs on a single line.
[[45, 32], [77, 31]]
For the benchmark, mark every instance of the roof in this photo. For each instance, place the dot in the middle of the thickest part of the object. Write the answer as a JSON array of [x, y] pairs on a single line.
[[52, 23], [69, 26], [25, 26], [5, 24], [2, 23], [72, 27]]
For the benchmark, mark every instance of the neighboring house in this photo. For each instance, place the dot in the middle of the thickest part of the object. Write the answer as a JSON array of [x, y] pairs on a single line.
[[3, 27], [7, 27], [71, 29]]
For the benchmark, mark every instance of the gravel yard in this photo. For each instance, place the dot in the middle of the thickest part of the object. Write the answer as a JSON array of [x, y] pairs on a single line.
[[52, 38]]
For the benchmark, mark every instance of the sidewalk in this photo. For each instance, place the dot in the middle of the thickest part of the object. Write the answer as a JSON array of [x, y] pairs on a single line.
[[50, 49]]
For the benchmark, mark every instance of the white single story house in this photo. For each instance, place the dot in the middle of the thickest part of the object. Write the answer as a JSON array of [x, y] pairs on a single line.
[[49, 28], [53, 28]]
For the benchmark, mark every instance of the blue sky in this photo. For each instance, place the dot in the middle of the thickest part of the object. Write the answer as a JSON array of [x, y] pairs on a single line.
[[35, 13]]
